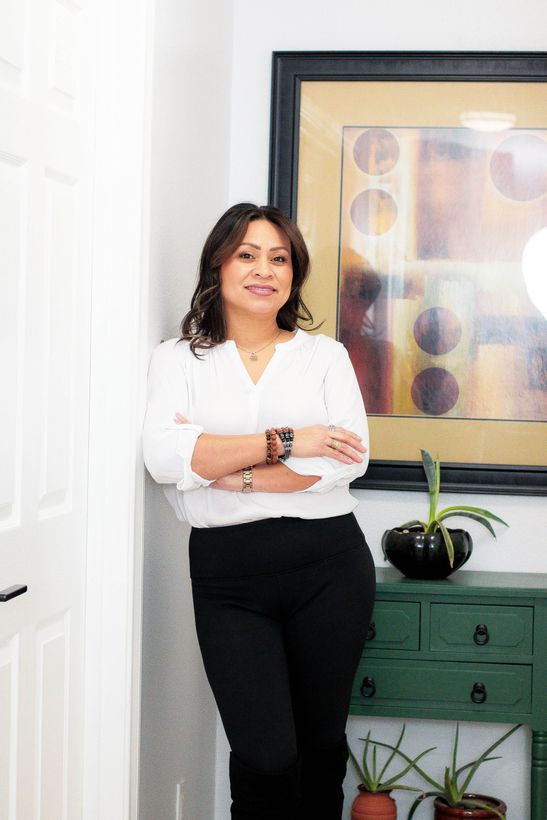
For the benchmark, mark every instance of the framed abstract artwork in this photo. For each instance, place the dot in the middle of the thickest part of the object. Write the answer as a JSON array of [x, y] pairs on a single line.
[[419, 181]]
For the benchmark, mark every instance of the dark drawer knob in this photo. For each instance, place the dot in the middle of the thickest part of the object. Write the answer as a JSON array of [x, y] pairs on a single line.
[[12, 592], [481, 635], [478, 693], [368, 687], [371, 634]]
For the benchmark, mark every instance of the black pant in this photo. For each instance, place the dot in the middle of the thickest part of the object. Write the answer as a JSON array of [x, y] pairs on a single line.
[[282, 609]]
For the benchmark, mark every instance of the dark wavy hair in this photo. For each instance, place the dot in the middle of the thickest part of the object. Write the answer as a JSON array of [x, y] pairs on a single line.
[[204, 326]]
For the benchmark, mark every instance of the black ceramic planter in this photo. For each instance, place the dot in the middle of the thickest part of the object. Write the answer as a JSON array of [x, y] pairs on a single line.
[[420, 555]]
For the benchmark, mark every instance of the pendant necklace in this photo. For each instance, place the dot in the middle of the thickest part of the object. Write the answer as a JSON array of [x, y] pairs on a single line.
[[253, 353]]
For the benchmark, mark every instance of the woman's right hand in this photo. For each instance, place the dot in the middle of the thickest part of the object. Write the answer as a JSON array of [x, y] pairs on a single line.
[[340, 444]]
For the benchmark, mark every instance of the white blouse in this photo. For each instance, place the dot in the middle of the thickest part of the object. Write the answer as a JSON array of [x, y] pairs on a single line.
[[309, 380]]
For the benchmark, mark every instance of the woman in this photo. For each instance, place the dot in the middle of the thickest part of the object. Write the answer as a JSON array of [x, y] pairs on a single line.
[[256, 428]]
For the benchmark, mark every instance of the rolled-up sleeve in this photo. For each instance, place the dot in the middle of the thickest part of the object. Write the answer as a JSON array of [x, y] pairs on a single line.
[[168, 447], [345, 408]]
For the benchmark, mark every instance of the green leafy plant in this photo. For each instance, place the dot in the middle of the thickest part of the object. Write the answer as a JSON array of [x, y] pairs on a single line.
[[437, 517], [457, 779], [371, 776]]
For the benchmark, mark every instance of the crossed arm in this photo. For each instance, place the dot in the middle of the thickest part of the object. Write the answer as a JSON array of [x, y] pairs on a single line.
[[180, 452], [221, 458]]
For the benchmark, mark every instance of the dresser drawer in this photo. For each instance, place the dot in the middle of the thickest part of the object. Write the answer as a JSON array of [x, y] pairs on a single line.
[[395, 625], [490, 630], [443, 685]]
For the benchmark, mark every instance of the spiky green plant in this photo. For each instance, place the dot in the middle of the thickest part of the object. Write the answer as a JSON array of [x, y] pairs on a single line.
[[437, 517], [455, 785], [371, 776]]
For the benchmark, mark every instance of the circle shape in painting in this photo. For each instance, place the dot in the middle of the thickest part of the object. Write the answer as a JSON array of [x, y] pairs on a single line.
[[376, 151], [435, 391], [437, 330], [373, 211], [518, 167]]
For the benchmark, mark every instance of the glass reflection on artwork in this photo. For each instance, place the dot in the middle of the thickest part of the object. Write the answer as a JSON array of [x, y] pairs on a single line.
[[433, 305]]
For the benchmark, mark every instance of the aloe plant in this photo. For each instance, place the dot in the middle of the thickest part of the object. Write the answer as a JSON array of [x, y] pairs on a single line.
[[452, 790], [432, 468], [454, 786], [372, 778]]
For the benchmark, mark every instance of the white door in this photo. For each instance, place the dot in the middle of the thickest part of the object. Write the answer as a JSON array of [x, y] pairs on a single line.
[[46, 117]]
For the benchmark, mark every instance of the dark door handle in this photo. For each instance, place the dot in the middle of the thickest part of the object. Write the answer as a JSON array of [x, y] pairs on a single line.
[[371, 634], [478, 693], [368, 687], [12, 592], [481, 635]]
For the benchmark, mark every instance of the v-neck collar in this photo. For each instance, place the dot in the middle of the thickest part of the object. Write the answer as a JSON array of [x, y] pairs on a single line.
[[279, 348]]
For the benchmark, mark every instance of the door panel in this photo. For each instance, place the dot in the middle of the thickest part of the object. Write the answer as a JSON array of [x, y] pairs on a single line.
[[52, 651], [13, 194], [9, 684]]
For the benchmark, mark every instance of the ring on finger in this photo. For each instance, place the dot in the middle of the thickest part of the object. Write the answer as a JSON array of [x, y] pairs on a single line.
[[334, 444]]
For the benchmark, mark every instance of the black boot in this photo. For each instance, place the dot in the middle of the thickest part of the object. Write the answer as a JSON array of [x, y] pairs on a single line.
[[257, 796], [323, 773]]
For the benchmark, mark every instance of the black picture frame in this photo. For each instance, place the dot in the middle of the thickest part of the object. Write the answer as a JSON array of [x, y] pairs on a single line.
[[289, 70]]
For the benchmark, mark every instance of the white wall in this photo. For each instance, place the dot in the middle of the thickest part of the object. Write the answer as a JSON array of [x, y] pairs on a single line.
[[489, 25], [189, 190], [360, 25]]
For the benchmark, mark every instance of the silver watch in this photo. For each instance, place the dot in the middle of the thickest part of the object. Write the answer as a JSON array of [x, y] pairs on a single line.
[[247, 480]]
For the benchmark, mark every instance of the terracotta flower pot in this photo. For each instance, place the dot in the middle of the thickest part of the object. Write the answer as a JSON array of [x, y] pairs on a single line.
[[445, 812], [373, 806]]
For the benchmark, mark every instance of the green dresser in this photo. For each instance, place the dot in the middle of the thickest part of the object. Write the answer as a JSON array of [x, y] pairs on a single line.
[[471, 647]]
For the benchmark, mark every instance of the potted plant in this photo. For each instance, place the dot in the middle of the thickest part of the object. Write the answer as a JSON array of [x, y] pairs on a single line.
[[374, 799], [452, 800], [421, 549]]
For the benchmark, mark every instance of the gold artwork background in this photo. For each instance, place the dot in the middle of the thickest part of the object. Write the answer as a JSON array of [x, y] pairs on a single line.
[[328, 111]]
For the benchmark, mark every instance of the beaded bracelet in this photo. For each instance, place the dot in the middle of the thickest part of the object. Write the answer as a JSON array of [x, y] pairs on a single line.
[[286, 434], [271, 446]]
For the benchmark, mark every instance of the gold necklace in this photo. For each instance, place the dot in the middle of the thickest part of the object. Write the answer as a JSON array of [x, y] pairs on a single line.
[[253, 353]]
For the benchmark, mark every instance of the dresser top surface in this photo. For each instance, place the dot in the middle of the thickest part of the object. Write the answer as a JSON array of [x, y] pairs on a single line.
[[490, 583]]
